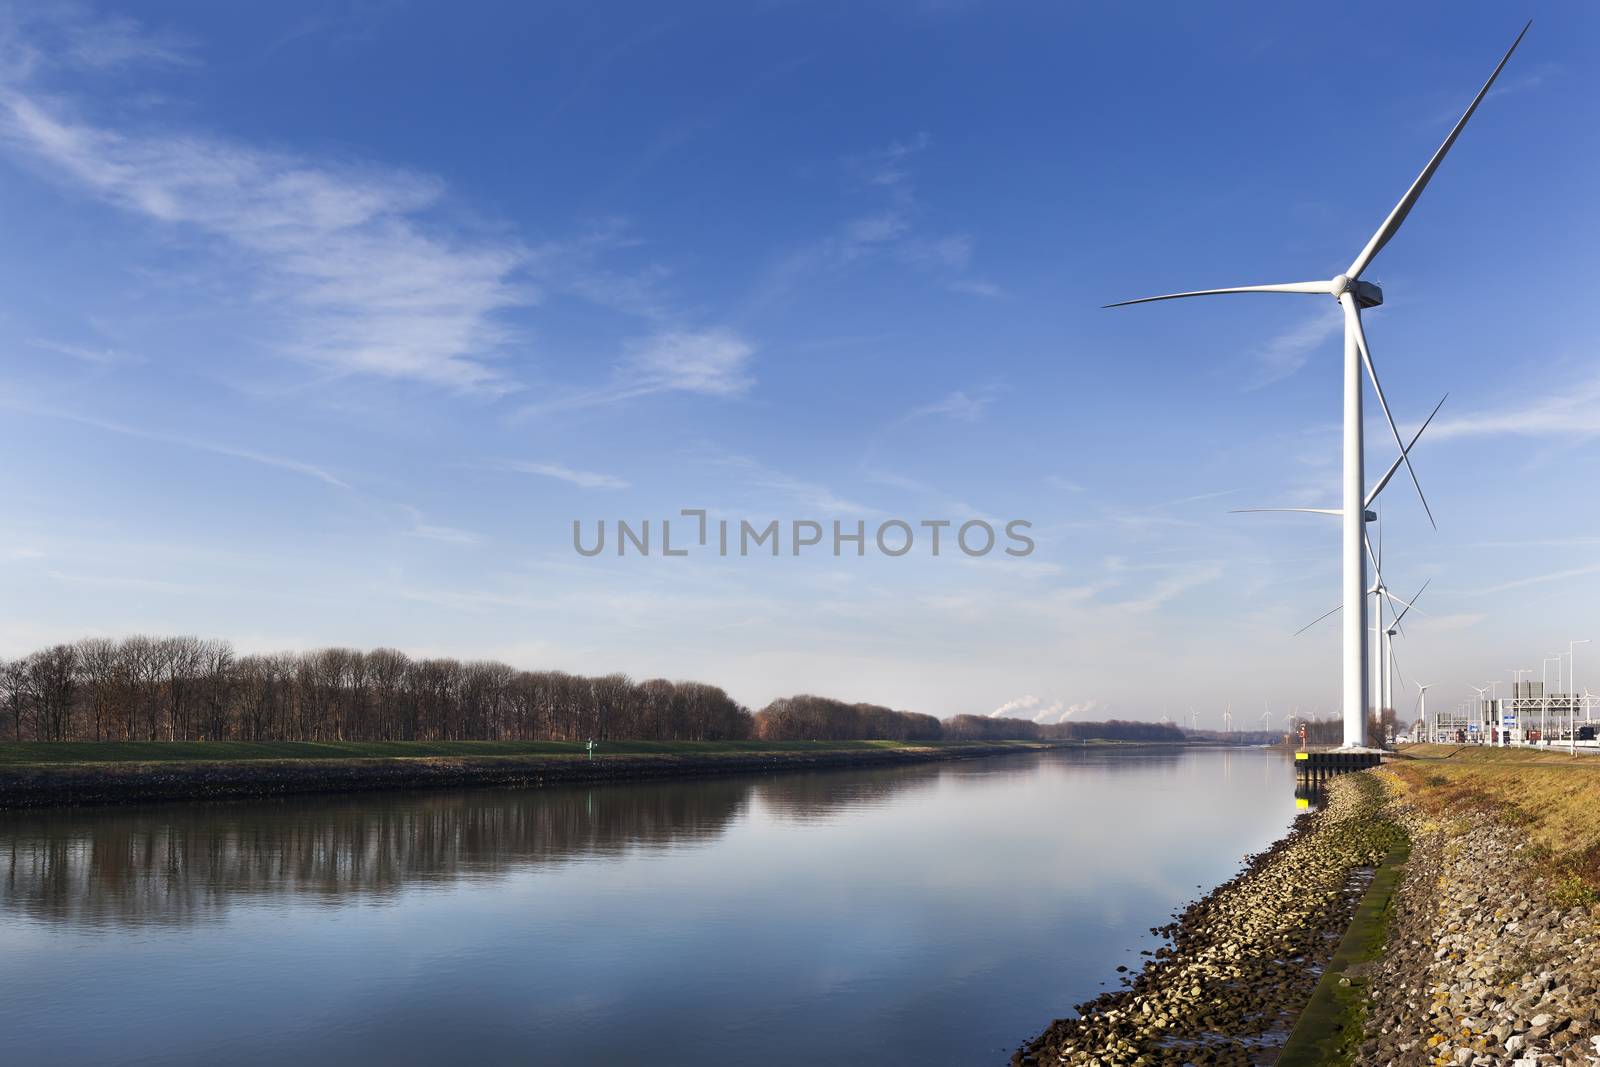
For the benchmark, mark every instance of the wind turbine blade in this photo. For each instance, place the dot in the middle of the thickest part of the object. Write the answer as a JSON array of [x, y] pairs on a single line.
[[1352, 316], [1314, 621], [1325, 288], [1391, 225], [1308, 511], [1412, 602], [1394, 605], [1401, 458]]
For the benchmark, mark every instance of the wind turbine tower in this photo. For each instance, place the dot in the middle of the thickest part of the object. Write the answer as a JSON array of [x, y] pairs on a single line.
[[1355, 295]]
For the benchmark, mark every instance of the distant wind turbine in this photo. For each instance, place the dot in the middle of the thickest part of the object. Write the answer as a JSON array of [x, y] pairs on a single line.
[[1354, 295], [1483, 703], [1388, 640]]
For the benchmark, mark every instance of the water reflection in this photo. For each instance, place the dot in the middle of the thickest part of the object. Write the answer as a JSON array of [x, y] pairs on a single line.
[[925, 914], [1309, 795], [174, 864]]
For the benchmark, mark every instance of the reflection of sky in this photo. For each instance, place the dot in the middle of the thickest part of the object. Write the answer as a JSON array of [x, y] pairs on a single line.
[[940, 922]]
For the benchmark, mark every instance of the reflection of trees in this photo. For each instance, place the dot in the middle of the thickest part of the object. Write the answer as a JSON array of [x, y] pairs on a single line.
[[178, 864], [824, 794], [185, 863]]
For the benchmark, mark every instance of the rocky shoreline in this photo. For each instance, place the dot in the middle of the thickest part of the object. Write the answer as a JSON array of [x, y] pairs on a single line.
[[1486, 959], [1483, 966], [1240, 963]]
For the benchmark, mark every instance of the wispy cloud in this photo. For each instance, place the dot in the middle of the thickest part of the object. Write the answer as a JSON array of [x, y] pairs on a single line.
[[581, 479], [344, 250], [818, 498], [99, 357], [265, 459], [1572, 413], [708, 362], [449, 535], [1463, 620], [118, 41], [1055, 481], [580, 267], [68, 35], [713, 363], [1183, 579], [1539, 579], [1287, 352], [960, 404], [890, 229]]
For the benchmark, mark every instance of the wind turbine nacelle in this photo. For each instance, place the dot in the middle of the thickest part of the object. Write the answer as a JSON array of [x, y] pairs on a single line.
[[1367, 295]]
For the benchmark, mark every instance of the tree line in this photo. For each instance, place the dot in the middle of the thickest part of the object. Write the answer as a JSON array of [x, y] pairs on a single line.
[[194, 689]]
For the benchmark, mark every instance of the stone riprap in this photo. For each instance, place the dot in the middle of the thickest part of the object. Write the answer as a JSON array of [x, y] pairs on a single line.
[[1241, 962], [1482, 966]]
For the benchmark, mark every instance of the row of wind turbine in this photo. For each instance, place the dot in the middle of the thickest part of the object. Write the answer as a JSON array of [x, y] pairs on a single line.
[[1355, 295]]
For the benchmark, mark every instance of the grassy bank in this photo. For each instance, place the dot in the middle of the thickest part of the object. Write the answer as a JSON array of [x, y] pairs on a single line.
[[1551, 799], [1492, 954], [45, 774]]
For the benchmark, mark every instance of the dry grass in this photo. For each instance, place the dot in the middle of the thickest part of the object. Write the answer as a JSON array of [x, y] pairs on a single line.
[[1552, 797]]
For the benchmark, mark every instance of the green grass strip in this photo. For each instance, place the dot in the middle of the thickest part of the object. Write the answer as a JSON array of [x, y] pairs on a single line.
[[1329, 1030]]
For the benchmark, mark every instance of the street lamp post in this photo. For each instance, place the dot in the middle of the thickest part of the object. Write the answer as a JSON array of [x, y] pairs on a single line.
[[1544, 693], [1572, 674]]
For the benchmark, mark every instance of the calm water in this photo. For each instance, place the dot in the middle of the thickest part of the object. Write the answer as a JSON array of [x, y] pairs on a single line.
[[922, 915]]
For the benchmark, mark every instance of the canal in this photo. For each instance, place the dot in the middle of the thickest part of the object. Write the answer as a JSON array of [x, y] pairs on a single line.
[[932, 914]]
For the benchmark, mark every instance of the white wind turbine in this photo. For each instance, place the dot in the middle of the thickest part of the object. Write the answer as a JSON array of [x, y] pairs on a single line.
[[1422, 706], [1483, 707], [1383, 658], [1388, 636], [1353, 295]]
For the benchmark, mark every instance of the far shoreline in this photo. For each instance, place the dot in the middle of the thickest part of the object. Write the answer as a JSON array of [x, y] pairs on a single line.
[[36, 775]]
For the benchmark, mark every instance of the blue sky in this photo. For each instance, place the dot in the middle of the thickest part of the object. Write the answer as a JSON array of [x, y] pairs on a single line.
[[322, 323]]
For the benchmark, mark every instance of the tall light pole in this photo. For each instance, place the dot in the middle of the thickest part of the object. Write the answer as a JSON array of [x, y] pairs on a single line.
[[1544, 694], [1516, 673], [1572, 675]]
